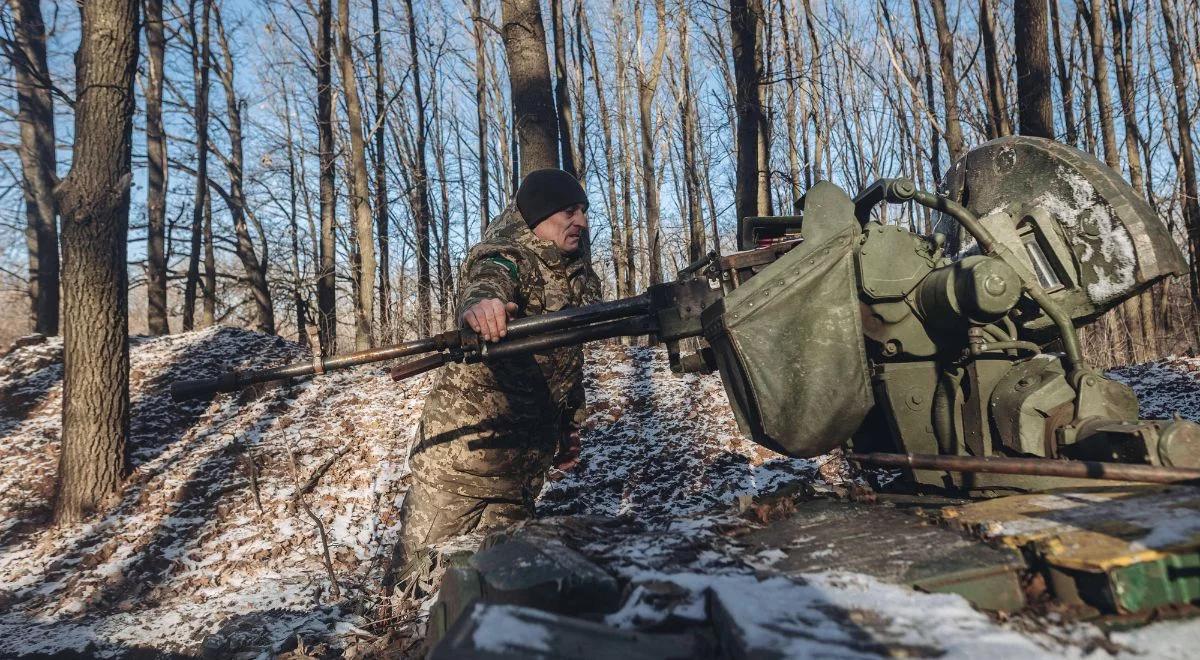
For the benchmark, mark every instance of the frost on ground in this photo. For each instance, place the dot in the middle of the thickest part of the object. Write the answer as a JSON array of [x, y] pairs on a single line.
[[207, 551], [207, 535]]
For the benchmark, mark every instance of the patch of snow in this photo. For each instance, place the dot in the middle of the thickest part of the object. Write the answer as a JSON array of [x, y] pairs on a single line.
[[500, 630]]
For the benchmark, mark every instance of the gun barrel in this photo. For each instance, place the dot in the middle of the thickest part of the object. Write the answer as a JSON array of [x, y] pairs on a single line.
[[579, 316], [1042, 467], [231, 381], [620, 327], [534, 333]]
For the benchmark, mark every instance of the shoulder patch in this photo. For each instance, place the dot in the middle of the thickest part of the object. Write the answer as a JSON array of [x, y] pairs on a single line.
[[509, 265]]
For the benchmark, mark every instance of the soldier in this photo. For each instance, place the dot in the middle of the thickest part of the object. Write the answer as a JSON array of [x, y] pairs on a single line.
[[489, 432]]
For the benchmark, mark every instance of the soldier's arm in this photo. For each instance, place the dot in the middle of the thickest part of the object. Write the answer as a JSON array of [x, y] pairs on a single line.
[[488, 299]]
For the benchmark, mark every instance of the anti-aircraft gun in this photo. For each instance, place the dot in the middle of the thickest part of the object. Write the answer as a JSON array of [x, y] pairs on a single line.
[[829, 326]]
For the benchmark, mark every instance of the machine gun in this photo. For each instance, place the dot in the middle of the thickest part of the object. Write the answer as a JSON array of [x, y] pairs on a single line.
[[830, 327]]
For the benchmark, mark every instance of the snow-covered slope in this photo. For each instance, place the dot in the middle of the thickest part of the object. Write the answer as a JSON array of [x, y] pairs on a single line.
[[208, 551], [188, 549]]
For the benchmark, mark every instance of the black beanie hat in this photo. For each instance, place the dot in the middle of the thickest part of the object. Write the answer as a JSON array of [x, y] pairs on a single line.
[[546, 192]]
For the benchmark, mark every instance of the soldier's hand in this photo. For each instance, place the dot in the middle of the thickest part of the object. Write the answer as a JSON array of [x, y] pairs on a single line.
[[490, 318]]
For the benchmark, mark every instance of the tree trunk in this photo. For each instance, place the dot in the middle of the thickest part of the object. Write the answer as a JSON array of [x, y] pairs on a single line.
[[1121, 19], [1064, 79], [327, 259], [299, 299], [481, 113], [562, 94], [1187, 153], [1034, 108], [820, 168], [580, 146], [935, 156], [208, 316], [200, 63], [743, 16], [625, 154], [156, 174], [256, 270], [764, 124], [794, 100], [529, 75], [35, 114], [610, 166], [999, 124], [1089, 139], [647, 82], [1139, 311], [382, 220], [687, 117], [363, 266], [1100, 80], [445, 278], [954, 136], [422, 217], [94, 202]]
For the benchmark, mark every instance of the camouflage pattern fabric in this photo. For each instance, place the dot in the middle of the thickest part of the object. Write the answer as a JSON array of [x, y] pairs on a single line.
[[489, 431], [430, 514]]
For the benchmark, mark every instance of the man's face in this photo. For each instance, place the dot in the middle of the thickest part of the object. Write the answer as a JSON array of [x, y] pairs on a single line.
[[566, 228]]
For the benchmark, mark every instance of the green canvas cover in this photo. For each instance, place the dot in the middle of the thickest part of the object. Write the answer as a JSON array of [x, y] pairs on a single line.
[[789, 345]]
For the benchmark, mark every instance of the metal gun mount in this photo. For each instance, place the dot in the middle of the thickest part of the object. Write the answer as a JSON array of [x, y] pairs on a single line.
[[829, 327]]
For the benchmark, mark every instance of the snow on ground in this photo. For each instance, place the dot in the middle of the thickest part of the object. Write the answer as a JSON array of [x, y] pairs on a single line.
[[658, 445], [1165, 387], [208, 552], [188, 549]]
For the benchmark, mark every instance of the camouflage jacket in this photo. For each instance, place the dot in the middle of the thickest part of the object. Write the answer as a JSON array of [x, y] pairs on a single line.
[[491, 428]]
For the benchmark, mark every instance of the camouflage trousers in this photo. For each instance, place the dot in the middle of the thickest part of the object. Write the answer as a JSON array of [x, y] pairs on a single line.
[[430, 515]]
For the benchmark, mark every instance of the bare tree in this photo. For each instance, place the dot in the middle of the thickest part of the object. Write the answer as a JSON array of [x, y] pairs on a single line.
[[1034, 109], [996, 100], [953, 128], [1121, 22], [422, 215], [610, 164], [35, 113], [235, 197], [362, 263], [625, 153], [481, 111], [562, 94], [647, 75], [382, 221], [1064, 80], [209, 284], [1139, 311], [687, 118], [743, 17], [200, 63], [1187, 153], [156, 174], [580, 119], [1095, 23], [327, 256], [299, 299], [94, 202], [529, 76]]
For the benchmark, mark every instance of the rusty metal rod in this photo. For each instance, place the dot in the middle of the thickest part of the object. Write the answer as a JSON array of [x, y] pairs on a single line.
[[1041, 467], [528, 327]]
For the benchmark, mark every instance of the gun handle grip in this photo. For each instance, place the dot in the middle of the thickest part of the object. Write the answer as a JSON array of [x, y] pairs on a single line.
[[415, 367]]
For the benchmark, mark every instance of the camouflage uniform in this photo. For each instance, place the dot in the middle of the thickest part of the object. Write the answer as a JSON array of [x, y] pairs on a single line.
[[490, 431]]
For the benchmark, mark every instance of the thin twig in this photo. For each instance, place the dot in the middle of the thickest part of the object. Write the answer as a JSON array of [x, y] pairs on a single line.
[[301, 491]]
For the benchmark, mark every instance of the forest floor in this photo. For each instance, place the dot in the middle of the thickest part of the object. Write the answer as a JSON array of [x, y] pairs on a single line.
[[212, 549]]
